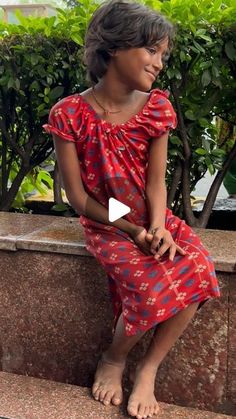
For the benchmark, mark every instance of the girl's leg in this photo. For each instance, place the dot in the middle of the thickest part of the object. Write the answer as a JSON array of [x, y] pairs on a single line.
[[107, 384], [142, 402]]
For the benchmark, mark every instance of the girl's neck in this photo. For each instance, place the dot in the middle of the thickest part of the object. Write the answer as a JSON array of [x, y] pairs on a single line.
[[114, 95]]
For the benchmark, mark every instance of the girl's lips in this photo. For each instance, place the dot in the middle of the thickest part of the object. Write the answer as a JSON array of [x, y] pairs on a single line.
[[152, 75]]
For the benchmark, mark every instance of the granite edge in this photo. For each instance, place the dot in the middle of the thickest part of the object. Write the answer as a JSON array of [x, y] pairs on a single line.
[[28, 242], [68, 391]]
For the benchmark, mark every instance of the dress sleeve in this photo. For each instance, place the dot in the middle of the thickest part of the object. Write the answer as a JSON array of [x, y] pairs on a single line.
[[162, 114], [61, 119]]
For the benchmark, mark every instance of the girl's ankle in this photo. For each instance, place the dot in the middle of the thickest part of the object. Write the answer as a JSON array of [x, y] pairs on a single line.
[[147, 367], [111, 358]]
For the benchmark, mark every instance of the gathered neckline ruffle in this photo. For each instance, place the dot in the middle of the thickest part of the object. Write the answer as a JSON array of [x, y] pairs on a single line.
[[133, 119]]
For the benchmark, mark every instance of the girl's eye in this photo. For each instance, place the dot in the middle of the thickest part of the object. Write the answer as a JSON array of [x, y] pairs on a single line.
[[151, 50]]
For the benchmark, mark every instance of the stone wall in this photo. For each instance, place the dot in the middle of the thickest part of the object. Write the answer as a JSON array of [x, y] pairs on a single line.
[[56, 318]]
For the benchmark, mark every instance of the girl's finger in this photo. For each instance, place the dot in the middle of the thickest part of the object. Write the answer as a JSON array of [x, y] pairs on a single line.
[[173, 249], [162, 250], [180, 250], [156, 243], [149, 237]]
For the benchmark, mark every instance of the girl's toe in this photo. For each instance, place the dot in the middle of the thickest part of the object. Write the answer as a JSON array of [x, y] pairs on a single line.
[[151, 412], [141, 411], [102, 395], [147, 411], [132, 409], [156, 410], [117, 398], [95, 388], [96, 394], [107, 398]]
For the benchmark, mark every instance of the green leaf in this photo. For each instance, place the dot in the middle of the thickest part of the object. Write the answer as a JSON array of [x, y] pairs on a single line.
[[190, 115], [206, 38], [198, 46], [215, 71], [173, 152], [60, 207], [175, 140], [41, 107], [230, 50], [194, 49], [219, 152], [182, 56], [217, 83], [77, 38], [208, 161], [49, 80], [205, 64], [206, 78], [46, 90], [206, 144], [17, 84], [203, 122], [46, 177], [47, 31], [56, 92], [11, 83], [211, 169], [170, 73], [201, 151], [34, 85], [34, 58]]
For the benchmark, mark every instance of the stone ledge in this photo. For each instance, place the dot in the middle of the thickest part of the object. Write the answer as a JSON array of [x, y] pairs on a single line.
[[65, 235], [13, 226], [32, 398], [56, 319]]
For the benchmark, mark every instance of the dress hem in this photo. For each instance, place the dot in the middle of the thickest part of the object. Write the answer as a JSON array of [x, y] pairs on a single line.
[[142, 329]]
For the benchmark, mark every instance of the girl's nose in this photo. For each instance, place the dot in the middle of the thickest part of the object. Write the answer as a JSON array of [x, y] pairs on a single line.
[[157, 62]]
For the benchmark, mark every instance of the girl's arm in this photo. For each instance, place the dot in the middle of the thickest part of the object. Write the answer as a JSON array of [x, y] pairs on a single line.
[[155, 186], [83, 204], [156, 201]]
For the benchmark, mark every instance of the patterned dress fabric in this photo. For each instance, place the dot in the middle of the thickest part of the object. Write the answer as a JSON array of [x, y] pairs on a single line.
[[113, 162]]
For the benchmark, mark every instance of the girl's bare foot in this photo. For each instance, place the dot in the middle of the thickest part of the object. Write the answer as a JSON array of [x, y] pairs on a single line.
[[107, 383], [142, 402]]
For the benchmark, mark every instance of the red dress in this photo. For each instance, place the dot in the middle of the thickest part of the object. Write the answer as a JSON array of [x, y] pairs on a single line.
[[113, 162]]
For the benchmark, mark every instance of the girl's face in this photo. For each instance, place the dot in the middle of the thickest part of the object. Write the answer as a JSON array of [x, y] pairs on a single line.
[[138, 68]]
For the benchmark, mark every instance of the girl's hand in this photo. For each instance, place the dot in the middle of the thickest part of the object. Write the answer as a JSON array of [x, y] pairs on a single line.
[[161, 241], [139, 237]]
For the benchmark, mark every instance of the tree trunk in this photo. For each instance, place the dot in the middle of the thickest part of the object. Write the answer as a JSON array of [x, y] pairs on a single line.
[[10, 195], [212, 194], [57, 185], [174, 185]]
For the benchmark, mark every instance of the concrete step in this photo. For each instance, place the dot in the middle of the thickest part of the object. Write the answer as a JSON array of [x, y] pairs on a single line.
[[23, 397]]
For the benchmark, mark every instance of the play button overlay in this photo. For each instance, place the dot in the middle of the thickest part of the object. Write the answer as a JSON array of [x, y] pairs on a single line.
[[116, 209]]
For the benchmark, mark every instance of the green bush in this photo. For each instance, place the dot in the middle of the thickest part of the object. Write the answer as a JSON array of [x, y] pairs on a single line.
[[42, 62], [201, 77]]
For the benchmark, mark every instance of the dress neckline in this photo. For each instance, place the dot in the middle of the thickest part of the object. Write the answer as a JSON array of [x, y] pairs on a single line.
[[106, 123]]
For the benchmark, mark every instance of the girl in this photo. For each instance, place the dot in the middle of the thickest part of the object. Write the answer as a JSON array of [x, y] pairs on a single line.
[[111, 141]]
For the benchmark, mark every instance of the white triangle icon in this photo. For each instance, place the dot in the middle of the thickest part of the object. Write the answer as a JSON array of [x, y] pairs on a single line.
[[116, 209]]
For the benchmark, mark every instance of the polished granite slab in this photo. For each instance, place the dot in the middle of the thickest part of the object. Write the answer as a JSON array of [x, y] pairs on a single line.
[[56, 315], [31, 398], [13, 226], [65, 235]]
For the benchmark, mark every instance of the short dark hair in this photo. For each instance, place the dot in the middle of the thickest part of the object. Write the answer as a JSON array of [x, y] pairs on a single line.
[[119, 24]]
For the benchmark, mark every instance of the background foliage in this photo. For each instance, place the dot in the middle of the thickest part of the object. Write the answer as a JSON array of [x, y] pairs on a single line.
[[201, 77], [41, 61]]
